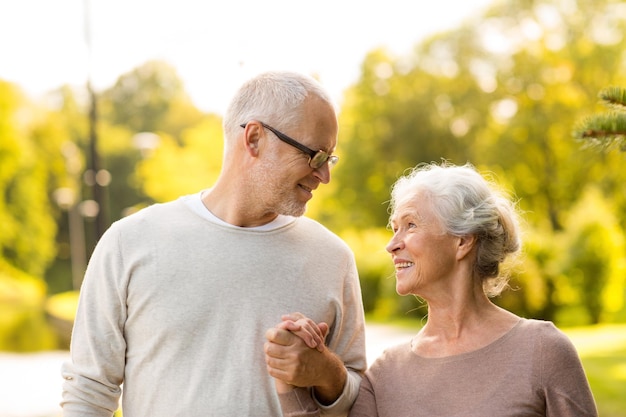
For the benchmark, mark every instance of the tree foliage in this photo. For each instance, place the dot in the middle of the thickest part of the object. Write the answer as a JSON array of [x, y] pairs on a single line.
[[502, 92], [150, 98], [30, 166], [595, 260], [185, 165]]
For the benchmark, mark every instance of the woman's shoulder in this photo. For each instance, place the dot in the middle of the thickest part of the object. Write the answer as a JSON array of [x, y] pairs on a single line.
[[543, 328], [547, 335], [393, 356]]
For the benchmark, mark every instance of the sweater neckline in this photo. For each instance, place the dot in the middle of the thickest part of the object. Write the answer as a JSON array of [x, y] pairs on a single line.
[[466, 355], [194, 202]]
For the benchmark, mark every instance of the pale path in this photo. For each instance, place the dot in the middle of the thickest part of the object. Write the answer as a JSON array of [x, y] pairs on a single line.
[[30, 384], [379, 337]]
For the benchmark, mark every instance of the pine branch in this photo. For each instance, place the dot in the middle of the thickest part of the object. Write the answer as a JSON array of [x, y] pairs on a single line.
[[606, 130], [614, 98]]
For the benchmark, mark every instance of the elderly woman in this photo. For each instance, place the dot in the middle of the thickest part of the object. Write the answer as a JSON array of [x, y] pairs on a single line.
[[452, 230]]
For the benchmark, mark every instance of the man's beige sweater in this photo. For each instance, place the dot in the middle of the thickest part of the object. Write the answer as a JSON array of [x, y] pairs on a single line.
[[175, 307]]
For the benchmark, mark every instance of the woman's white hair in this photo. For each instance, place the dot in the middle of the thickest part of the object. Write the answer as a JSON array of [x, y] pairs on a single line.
[[466, 203]]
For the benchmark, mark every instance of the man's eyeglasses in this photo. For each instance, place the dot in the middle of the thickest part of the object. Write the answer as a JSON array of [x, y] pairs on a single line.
[[316, 158]]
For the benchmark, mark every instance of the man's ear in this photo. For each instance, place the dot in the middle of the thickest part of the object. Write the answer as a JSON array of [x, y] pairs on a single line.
[[465, 245], [252, 135]]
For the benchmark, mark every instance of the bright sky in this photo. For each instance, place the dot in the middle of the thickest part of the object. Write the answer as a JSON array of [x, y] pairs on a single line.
[[214, 45]]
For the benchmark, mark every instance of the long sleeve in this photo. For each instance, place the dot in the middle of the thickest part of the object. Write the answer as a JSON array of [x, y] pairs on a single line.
[[298, 403], [365, 404], [93, 378], [348, 342]]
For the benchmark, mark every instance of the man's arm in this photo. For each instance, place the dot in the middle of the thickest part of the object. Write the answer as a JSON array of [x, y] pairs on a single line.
[[93, 377]]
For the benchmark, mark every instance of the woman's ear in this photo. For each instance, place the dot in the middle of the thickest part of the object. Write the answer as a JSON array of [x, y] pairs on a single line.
[[465, 245]]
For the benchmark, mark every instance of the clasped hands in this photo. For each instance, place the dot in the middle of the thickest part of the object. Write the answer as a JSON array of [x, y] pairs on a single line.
[[295, 353]]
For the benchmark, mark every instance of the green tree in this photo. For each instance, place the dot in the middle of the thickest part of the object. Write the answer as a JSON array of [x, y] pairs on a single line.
[[150, 98], [595, 256], [30, 166]]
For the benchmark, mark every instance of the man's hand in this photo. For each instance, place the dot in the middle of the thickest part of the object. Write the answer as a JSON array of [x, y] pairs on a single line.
[[296, 355]]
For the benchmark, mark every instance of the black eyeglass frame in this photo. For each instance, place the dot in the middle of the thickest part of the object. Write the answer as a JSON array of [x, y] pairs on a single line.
[[317, 159]]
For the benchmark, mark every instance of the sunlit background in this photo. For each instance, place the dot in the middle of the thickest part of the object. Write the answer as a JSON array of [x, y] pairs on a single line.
[[214, 45], [106, 107]]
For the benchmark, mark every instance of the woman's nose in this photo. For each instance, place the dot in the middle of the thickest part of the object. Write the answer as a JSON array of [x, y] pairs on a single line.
[[394, 244]]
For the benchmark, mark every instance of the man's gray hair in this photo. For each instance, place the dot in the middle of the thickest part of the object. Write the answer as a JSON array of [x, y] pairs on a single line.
[[274, 98]]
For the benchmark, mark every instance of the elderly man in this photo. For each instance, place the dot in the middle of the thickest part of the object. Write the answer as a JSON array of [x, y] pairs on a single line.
[[178, 297]]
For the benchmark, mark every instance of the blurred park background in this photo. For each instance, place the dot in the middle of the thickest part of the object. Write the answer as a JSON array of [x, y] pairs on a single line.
[[506, 90]]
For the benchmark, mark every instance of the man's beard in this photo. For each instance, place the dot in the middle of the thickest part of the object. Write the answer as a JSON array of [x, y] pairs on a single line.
[[285, 201], [281, 200]]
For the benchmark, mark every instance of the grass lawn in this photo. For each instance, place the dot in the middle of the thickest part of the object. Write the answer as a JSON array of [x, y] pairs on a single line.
[[602, 349]]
